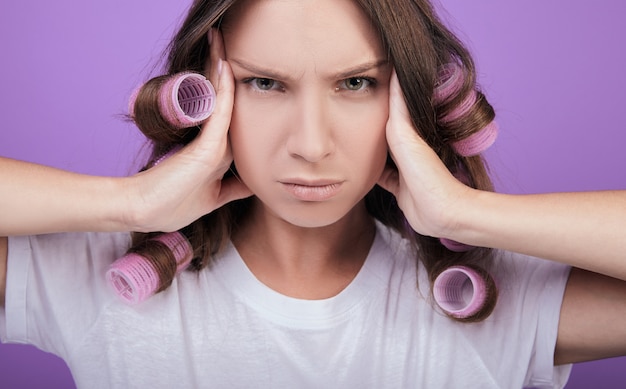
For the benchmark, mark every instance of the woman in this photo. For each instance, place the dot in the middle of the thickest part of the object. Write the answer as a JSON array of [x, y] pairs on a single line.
[[309, 240]]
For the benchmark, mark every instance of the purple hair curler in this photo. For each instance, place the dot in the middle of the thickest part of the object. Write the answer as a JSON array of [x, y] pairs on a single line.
[[455, 246], [478, 141], [460, 291], [134, 277], [168, 154], [185, 99], [450, 81]]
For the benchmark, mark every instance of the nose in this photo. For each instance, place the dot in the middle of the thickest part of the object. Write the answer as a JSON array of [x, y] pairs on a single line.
[[311, 136]]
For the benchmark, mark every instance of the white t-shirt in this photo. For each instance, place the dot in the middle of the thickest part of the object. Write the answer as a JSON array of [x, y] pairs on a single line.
[[222, 328]]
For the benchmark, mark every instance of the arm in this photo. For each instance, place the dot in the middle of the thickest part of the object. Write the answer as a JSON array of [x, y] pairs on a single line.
[[186, 186], [3, 268], [38, 199], [586, 229], [591, 325]]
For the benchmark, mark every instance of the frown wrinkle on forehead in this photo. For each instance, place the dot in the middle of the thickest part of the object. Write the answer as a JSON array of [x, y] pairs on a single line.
[[277, 74], [301, 37]]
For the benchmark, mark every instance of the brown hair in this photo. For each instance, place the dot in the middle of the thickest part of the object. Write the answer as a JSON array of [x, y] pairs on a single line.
[[418, 44]]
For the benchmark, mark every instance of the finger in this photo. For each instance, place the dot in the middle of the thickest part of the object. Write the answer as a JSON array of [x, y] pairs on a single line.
[[232, 189], [402, 137], [390, 180], [398, 111], [399, 130], [216, 52], [215, 129], [399, 118]]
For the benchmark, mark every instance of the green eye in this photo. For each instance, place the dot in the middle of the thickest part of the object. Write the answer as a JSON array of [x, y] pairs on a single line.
[[264, 83], [356, 83]]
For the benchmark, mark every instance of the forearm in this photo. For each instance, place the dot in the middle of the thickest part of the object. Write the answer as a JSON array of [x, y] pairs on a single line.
[[39, 199], [585, 229]]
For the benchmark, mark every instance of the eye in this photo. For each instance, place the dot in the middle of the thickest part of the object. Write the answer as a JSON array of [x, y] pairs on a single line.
[[262, 84], [356, 83]]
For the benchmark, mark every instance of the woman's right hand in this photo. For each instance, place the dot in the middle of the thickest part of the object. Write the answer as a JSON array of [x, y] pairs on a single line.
[[190, 183]]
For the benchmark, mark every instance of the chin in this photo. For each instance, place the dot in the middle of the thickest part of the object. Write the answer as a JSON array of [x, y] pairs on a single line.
[[315, 215], [313, 220]]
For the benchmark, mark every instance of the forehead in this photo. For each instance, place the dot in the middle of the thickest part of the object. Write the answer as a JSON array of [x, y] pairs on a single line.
[[319, 33]]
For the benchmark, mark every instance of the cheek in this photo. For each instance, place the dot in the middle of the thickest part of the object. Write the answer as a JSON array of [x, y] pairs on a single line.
[[249, 134], [241, 140], [378, 121], [366, 140]]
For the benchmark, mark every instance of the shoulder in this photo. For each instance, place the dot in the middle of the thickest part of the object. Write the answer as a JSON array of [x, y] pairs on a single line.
[[517, 272], [65, 261], [64, 246], [55, 276]]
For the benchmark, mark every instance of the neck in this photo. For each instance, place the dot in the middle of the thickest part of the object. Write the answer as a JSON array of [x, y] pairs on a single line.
[[307, 263]]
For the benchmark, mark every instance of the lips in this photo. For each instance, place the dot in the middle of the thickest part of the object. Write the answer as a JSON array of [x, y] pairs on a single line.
[[319, 190]]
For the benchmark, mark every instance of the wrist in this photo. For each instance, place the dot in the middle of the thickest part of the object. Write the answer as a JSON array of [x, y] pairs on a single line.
[[114, 205], [464, 216], [128, 212]]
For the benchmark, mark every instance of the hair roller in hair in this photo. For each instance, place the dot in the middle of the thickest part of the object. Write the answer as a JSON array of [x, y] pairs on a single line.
[[455, 246], [449, 82], [478, 141], [185, 99], [460, 291], [450, 79], [135, 277], [168, 154]]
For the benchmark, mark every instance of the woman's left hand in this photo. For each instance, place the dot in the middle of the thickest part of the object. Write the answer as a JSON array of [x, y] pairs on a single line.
[[428, 194]]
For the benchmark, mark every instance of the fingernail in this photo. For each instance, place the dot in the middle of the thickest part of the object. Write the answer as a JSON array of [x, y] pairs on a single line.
[[220, 65]]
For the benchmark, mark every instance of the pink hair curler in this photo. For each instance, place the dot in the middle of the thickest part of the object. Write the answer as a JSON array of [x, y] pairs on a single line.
[[185, 99], [455, 246], [460, 291], [168, 154], [449, 84], [134, 278], [461, 110], [478, 141]]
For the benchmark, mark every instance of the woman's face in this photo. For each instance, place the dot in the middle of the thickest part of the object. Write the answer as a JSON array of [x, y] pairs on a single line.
[[311, 104]]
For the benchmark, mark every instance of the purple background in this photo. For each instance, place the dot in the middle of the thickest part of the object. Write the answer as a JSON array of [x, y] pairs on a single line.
[[553, 69]]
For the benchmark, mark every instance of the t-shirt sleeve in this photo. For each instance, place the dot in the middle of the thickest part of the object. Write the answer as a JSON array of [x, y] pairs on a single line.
[[532, 291], [541, 374], [55, 284]]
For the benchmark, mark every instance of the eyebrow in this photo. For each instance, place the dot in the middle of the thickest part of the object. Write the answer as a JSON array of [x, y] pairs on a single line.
[[274, 75], [362, 68]]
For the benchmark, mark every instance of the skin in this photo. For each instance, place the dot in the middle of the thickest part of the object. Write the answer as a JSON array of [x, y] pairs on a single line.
[[314, 251], [308, 139], [594, 307]]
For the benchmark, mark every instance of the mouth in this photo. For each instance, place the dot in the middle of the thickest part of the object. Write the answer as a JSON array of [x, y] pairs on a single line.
[[313, 190]]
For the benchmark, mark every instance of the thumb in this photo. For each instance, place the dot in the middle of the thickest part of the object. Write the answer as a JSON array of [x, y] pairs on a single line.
[[390, 180], [405, 143], [398, 110], [399, 130], [215, 129], [232, 189]]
